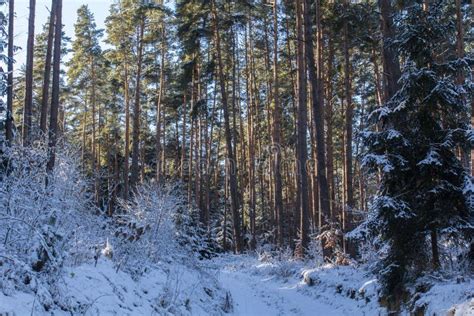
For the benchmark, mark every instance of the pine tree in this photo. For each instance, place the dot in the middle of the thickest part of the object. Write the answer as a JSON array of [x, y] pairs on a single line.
[[53, 117], [302, 153], [47, 69], [84, 74], [28, 105], [119, 34], [9, 109], [424, 191]]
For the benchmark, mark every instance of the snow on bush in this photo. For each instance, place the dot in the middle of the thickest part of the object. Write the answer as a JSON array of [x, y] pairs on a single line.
[[42, 225], [55, 245], [156, 225]]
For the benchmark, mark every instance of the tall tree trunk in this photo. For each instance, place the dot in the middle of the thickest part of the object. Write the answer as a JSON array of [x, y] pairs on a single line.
[[47, 71], [28, 105], [250, 133], [434, 249], [84, 136], [158, 105], [329, 123], [228, 138], [183, 143], [209, 164], [302, 153], [377, 78], [349, 114], [391, 63], [318, 116], [95, 166], [126, 168], [136, 109], [163, 152], [53, 117], [9, 115], [278, 202]]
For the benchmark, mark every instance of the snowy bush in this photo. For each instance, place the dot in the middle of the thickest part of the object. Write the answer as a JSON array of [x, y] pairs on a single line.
[[155, 225], [144, 230], [42, 226]]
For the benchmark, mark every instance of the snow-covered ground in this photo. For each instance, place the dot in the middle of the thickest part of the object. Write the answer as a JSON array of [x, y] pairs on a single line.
[[279, 289], [255, 291], [232, 285], [104, 290]]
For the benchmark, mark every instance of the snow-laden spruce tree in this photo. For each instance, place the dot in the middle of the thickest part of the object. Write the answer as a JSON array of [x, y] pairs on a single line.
[[425, 190]]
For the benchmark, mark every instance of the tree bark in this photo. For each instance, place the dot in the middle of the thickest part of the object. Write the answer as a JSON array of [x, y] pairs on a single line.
[[278, 202], [47, 71], [250, 133], [126, 168], [136, 109], [318, 117], [53, 117], [391, 63], [95, 158], [158, 105], [329, 123], [28, 105], [183, 143], [9, 114], [302, 154], [347, 224], [434, 249], [228, 138]]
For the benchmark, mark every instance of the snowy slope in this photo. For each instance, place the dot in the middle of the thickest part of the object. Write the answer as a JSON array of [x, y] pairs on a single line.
[[102, 290], [231, 285]]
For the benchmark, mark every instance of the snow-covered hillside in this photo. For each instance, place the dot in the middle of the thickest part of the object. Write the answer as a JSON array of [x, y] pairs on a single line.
[[231, 285]]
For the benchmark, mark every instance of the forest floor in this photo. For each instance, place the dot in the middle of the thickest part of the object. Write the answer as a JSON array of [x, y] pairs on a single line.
[[261, 289], [241, 285]]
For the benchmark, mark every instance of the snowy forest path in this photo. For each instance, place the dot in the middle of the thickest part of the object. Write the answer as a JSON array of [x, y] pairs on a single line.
[[258, 294]]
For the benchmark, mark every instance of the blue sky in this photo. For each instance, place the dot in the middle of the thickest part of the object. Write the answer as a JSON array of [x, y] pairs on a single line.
[[100, 8]]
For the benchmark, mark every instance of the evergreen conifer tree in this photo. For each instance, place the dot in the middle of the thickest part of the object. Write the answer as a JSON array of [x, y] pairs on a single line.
[[425, 191]]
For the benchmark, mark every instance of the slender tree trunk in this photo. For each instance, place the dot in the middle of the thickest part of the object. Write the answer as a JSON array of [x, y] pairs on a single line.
[[378, 89], [126, 168], [28, 105], [329, 123], [349, 114], [158, 147], [250, 133], [434, 249], [136, 110], [9, 114], [318, 116], [47, 71], [210, 165], [391, 63], [53, 117], [191, 155], [84, 136], [183, 143], [163, 152], [95, 167], [302, 153], [278, 202], [228, 138]]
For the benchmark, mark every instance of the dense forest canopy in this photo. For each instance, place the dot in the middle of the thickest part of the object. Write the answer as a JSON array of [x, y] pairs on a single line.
[[341, 126]]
